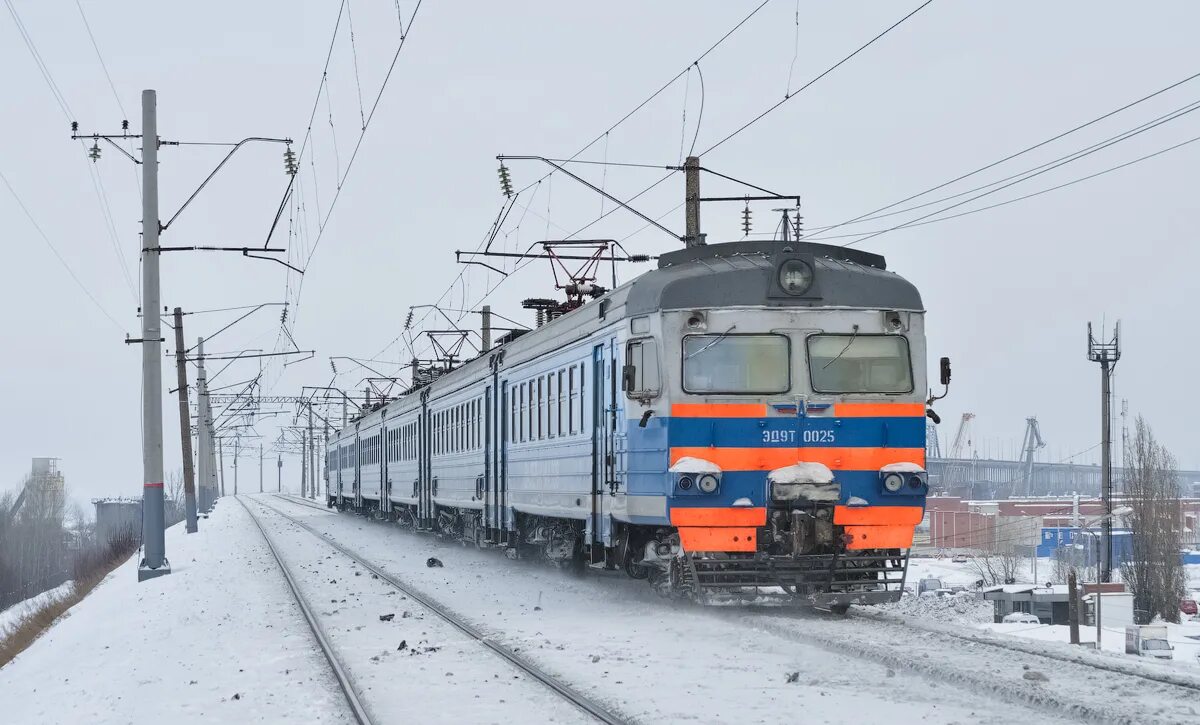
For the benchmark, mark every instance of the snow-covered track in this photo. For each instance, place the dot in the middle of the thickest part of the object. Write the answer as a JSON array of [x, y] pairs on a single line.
[[1055, 651], [345, 684], [565, 691], [1022, 675]]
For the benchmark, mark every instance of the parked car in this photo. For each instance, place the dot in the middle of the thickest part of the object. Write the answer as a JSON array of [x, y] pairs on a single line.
[[960, 559], [1187, 606], [1148, 640], [928, 584], [1020, 618]]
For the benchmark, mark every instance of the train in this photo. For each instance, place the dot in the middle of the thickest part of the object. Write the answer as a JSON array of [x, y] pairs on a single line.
[[746, 421]]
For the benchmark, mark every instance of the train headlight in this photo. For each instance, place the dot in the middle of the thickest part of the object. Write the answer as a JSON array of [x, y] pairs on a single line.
[[915, 481], [795, 276], [685, 483], [893, 482], [707, 483]]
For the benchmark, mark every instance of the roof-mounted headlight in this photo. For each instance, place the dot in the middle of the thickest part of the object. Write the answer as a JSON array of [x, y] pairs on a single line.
[[795, 276]]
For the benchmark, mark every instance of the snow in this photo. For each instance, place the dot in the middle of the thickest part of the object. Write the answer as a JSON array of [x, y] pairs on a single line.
[[802, 472], [902, 467], [11, 617], [743, 502], [177, 648], [857, 501], [689, 464]]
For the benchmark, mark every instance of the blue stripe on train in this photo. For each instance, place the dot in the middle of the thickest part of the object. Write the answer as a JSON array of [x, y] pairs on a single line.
[[796, 432]]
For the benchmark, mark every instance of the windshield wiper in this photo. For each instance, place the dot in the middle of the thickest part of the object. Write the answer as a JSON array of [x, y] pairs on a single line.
[[844, 349], [720, 337]]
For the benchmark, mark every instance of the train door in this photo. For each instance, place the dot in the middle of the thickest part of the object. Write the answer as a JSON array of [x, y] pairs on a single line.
[[356, 453], [425, 513], [604, 419], [385, 479], [490, 491]]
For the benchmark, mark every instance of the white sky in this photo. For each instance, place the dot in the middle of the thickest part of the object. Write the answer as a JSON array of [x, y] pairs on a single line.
[[1009, 291]]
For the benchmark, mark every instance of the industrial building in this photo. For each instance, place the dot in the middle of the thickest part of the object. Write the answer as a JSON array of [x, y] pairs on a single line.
[[116, 517]]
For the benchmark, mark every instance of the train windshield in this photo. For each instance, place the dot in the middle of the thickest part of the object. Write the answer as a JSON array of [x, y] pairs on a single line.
[[739, 364], [859, 364]]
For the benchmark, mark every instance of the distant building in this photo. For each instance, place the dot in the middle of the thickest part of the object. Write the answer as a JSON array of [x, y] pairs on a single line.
[[116, 517], [46, 490]]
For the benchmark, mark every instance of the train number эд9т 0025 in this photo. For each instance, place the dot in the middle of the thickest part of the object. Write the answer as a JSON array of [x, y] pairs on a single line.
[[789, 436]]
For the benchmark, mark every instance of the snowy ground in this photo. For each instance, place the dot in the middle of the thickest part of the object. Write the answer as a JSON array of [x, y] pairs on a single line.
[[217, 641], [650, 659], [220, 640], [12, 616]]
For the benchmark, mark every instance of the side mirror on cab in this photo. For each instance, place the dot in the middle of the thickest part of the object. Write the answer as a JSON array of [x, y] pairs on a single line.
[[628, 376], [945, 371]]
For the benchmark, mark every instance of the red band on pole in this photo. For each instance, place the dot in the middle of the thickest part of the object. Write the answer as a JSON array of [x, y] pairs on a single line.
[[153, 485]]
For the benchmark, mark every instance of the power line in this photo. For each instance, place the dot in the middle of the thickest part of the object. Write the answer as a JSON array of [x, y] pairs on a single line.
[[1019, 198], [1052, 139], [54, 249], [1052, 167], [100, 57], [790, 95]]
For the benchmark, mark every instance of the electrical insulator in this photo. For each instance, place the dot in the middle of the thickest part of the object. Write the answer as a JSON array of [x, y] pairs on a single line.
[[289, 162], [505, 181], [94, 152], [332, 366], [125, 125], [408, 320], [74, 126], [746, 219]]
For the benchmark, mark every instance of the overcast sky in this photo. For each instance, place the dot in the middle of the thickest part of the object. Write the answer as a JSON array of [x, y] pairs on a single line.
[[1009, 291]]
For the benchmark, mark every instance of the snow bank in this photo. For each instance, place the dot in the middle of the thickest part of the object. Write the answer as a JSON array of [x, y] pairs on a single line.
[[12, 616], [802, 472], [960, 608], [688, 464]]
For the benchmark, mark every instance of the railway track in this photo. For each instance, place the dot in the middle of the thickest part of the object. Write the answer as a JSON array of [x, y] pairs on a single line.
[[357, 709], [586, 705]]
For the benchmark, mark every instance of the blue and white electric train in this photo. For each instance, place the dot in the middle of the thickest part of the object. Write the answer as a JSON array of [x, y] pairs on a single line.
[[748, 418]]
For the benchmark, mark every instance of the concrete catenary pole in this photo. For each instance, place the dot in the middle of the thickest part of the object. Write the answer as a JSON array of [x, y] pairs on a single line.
[[154, 562], [303, 466], [237, 451], [203, 463], [279, 474], [312, 458], [221, 454], [485, 326], [260, 468], [185, 426], [691, 171]]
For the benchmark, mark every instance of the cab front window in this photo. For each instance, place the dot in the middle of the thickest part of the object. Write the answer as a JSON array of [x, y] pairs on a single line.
[[736, 364], [859, 364]]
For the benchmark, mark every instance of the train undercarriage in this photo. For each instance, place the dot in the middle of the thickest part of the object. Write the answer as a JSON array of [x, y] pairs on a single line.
[[802, 556]]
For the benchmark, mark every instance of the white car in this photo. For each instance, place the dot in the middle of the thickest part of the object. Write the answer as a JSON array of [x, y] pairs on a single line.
[[959, 559], [1020, 618]]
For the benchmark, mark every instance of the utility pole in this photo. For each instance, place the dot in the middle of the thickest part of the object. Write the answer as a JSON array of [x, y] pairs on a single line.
[[154, 562], [303, 466], [312, 455], [691, 170], [485, 327], [260, 468], [237, 451], [221, 452], [279, 474], [185, 426], [1073, 606], [203, 464], [1107, 354]]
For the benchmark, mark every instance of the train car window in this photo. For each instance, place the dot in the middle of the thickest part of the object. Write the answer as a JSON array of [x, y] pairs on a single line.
[[541, 411], [640, 377], [582, 369], [859, 364], [571, 400], [522, 414], [736, 364], [563, 395]]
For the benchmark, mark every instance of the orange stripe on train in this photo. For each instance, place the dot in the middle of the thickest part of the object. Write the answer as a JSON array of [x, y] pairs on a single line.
[[768, 459], [719, 410], [878, 410], [699, 538], [879, 537], [689, 516]]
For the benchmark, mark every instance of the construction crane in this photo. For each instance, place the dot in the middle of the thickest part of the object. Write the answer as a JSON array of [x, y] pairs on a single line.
[[1033, 443], [962, 437]]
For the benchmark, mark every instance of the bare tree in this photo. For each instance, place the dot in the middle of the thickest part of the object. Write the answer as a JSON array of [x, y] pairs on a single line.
[[997, 567], [1154, 571], [174, 493]]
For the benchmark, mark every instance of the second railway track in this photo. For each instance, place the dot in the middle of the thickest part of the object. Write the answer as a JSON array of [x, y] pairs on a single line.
[[592, 709]]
